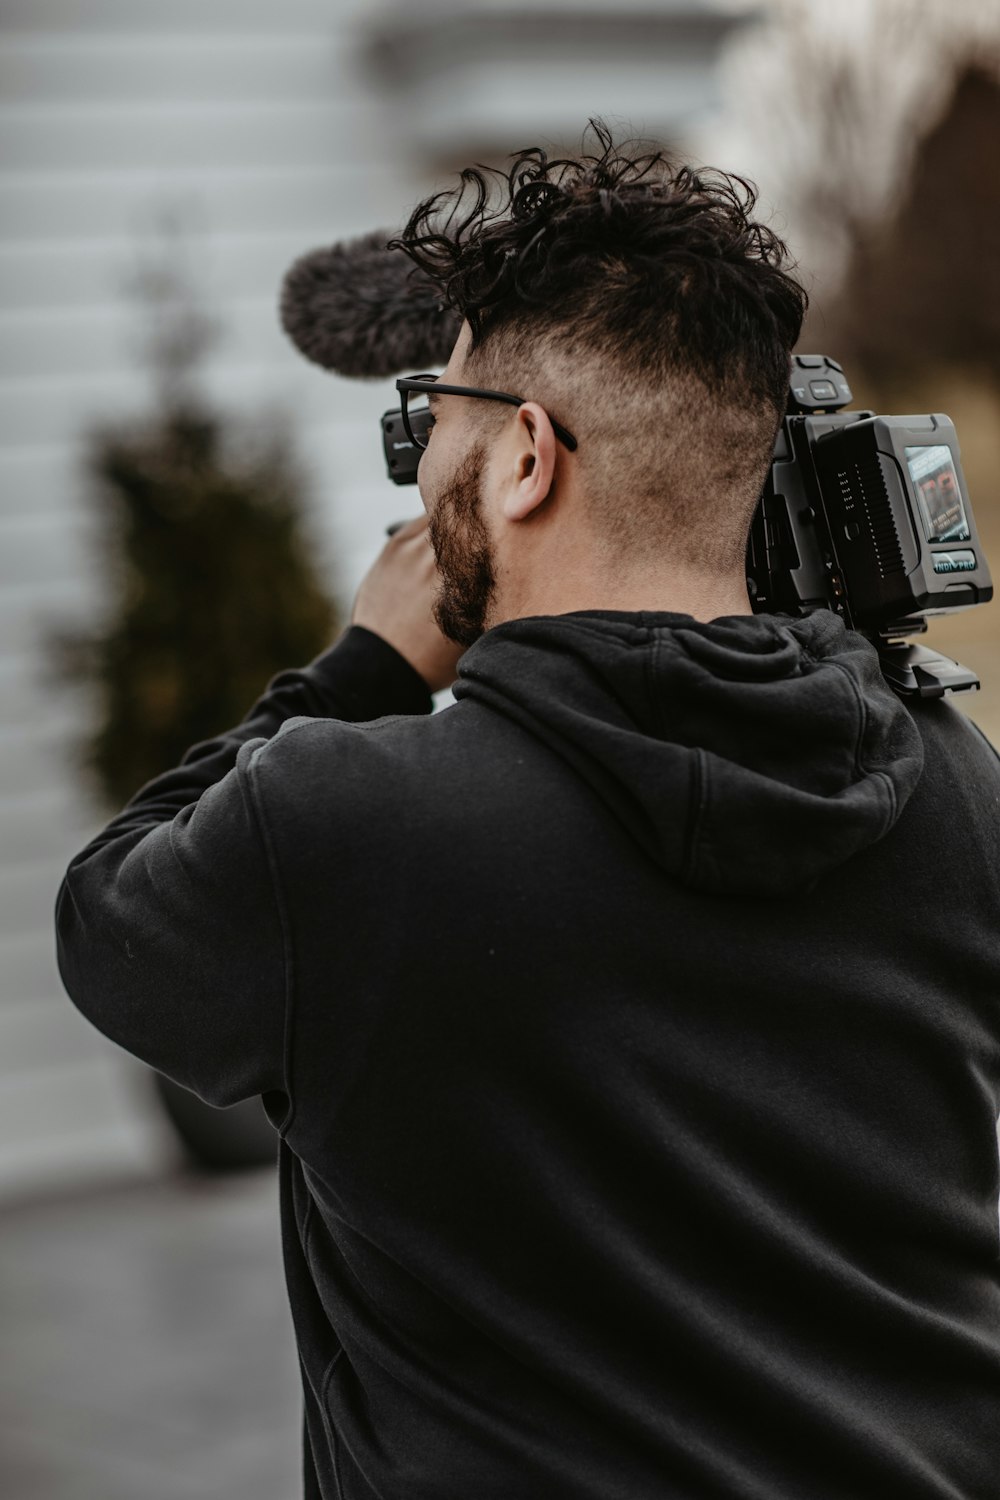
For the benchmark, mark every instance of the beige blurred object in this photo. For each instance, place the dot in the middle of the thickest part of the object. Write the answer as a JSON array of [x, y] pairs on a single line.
[[826, 106]]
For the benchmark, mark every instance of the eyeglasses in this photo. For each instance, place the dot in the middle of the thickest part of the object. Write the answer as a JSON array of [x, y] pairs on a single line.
[[417, 420]]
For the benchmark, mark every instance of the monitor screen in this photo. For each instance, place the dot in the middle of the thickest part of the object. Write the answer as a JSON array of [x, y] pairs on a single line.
[[939, 495]]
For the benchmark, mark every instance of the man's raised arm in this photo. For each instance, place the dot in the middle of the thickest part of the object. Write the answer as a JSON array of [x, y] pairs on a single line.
[[170, 934]]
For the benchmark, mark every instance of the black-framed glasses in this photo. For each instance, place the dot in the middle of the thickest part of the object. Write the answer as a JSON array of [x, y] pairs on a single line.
[[417, 420]]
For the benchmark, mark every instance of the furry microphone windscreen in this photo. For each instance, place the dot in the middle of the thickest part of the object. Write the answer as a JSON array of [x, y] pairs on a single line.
[[362, 310]]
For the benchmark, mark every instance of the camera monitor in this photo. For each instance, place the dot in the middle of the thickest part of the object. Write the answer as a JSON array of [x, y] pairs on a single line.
[[939, 493]]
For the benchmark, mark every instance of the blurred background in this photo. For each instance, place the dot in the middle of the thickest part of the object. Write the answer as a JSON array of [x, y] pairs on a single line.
[[187, 507]]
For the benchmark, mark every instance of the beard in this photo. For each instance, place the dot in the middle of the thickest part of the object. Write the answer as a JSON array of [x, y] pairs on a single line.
[[463, 553]]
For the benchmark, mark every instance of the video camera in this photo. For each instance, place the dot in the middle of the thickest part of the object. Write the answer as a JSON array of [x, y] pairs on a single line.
[[863, 515]]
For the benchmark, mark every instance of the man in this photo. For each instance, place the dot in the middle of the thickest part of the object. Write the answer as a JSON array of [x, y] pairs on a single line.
[[631, 1028]]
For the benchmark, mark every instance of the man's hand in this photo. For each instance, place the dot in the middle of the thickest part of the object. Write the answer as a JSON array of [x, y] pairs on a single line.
[[395, 601]]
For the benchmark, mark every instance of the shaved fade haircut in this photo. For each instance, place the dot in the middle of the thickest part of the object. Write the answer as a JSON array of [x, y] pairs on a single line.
[[642, 306]]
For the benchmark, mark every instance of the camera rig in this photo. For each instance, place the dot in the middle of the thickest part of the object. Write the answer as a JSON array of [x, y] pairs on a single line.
[[863, 515], [869, 517]]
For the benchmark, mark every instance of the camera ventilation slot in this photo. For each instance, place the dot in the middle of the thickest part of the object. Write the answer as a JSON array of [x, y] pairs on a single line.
[[862, 487]]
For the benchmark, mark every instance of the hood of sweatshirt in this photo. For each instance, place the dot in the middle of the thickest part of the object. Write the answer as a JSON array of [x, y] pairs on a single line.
[[748, 755]]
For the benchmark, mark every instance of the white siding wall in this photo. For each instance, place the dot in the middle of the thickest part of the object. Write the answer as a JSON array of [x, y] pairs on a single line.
[[266, 126], [257, 120]]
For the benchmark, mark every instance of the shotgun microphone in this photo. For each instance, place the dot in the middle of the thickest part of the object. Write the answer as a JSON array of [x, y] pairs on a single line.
[[364, 311]]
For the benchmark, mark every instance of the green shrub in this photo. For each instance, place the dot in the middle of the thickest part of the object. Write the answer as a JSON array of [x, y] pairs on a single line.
[[212, 586]]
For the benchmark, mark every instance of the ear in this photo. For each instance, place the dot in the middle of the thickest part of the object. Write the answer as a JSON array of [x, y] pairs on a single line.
[[534, 462]]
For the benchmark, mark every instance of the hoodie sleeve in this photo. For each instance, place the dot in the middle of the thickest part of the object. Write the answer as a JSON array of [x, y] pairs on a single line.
[[169, 929]]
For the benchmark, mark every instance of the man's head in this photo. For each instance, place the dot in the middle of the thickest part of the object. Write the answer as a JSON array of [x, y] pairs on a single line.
[[637, 304]]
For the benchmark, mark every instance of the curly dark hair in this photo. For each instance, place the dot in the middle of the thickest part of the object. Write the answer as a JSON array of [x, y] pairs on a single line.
[[658, 266]]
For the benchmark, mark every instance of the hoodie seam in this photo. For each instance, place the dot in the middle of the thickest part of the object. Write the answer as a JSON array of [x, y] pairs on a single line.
[[692, 832], [651, 668], [696, 839], [699, 801], [859, 766]]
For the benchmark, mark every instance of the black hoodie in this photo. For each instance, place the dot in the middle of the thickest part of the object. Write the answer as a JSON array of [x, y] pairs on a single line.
[[631, 1029]]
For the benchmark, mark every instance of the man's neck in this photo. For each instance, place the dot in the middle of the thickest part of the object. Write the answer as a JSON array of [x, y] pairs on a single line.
[[705, 598]]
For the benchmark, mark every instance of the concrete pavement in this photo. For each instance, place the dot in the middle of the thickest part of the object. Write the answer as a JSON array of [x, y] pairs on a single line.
[[147, 1347]]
